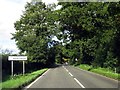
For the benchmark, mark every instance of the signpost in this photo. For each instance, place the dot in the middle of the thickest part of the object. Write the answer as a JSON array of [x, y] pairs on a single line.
[[17, 58]]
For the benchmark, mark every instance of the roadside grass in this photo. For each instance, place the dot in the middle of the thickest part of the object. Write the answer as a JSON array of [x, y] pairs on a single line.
[[102, 71], [20, 81], [85, 67]]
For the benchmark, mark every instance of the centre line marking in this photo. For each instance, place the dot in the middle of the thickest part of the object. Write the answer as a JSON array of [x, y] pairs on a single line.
[[70, 74], [65, 69], [79, 83], [74, 78]]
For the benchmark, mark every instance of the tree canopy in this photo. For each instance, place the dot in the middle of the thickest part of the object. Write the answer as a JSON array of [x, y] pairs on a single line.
[[87, 32]]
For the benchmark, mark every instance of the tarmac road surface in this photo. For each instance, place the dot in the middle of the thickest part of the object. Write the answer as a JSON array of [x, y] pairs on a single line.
[[65, 76]]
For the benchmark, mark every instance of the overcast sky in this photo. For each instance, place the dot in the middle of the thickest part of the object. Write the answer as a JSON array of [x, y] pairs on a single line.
[[10, 11]]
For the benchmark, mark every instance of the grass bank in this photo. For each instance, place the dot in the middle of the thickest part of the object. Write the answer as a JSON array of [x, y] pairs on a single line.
[[102, 71], [19, 81]]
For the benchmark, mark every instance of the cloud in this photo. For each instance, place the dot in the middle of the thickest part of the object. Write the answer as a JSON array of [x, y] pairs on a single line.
[[10, 13], [50, 1]]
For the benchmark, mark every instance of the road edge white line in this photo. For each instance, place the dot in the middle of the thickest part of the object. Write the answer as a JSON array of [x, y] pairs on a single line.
[[36, 80], [79, 83]]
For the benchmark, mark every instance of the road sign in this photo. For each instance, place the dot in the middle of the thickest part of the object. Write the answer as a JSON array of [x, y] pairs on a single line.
[[17, 58]]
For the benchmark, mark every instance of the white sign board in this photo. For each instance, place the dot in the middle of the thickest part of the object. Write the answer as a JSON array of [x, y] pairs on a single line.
[[17, 58]]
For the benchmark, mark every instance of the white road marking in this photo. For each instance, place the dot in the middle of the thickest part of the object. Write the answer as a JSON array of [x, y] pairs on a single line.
[[74, 78], [70, 74], [37, 79], [65, 69], [79, 83]]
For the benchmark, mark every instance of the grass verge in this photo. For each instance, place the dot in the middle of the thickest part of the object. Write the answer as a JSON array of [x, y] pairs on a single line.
[[20, 81], [102, 71]]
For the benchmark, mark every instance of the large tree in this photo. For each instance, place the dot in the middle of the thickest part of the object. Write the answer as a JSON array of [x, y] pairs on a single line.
[[88, 33], [33, 32], [91, 30]]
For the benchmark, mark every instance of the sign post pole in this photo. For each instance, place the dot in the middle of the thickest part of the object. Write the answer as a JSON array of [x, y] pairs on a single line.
[[12, 68], [23, 67]]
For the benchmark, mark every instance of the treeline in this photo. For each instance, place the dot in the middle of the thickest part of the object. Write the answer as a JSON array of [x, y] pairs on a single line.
[[88, 33]]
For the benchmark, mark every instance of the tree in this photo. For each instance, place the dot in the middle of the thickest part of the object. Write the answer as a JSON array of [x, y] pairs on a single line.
[[115, 14], [88, 32], [94, 30], [32, 32]]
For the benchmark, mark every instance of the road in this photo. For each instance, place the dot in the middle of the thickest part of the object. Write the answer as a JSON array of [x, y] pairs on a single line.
[[71, 77]]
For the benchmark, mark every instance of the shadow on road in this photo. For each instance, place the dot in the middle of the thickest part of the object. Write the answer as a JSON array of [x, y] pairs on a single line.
[[55, 66]]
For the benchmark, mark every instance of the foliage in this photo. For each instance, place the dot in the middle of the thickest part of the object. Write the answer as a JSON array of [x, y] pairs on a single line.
[[92, 31], [32, 32], [87, 32]]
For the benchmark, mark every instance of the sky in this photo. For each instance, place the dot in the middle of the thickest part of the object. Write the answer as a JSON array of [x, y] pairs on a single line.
[[10, 12]]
